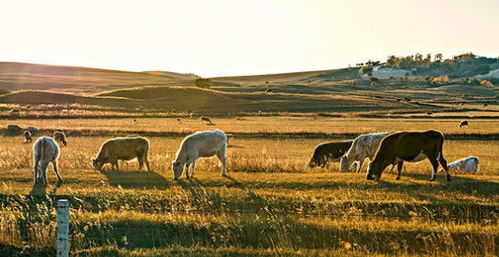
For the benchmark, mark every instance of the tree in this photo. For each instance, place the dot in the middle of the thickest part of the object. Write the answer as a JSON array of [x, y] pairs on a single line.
[[418, 58], [438, 57], [392, 61], [202, 83], [427, 59]]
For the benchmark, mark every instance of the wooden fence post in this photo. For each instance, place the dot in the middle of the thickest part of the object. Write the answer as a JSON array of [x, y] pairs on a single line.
[[62, 228]]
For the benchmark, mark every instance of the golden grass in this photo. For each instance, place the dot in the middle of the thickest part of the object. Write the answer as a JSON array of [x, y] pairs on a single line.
[[261, 124], [271, 203]]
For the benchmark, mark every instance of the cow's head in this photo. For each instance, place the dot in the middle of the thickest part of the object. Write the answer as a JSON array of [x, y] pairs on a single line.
[[374, 170], [313, 163], [345, 163], [177, 169], [97, 164]]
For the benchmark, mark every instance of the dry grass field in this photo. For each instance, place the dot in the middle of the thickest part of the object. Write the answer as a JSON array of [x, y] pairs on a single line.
[[254, 125], [270, 205]]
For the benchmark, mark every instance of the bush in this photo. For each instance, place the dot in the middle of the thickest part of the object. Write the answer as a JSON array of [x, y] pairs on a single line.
[[441, 80], [486, 83], [202, 83]]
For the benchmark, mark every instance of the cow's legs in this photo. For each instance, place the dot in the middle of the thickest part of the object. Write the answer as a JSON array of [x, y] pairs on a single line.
[[147, 163], [187, 164], [56, 171], [141, 164], [44, 167], [36, 171], [399, 169], [193, 169], [434, 164], [443, 163], [115, 165], [361, 162], [221, 157]]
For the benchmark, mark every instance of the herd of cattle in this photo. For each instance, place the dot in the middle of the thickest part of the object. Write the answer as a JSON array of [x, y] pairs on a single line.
[[382, 150]]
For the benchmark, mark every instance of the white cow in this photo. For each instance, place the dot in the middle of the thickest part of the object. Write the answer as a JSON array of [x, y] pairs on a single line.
[[465, 165], [45, 151], [364, 146], [200, 144]]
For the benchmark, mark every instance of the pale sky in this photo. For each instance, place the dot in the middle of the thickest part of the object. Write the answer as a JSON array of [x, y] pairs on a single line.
[[232, 37]]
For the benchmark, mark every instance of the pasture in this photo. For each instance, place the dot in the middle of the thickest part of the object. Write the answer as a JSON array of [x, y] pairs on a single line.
[[270, 205]]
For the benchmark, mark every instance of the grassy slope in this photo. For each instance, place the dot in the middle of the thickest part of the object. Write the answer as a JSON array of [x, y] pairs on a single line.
[[22, 76], [314, 91]]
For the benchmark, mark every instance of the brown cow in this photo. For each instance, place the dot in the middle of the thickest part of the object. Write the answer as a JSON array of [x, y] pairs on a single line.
[[122, 148], [411, 147]]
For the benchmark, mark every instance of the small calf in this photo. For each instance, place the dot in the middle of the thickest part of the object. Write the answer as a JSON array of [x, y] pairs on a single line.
[[465, 165], [27, 137], [60, 137]]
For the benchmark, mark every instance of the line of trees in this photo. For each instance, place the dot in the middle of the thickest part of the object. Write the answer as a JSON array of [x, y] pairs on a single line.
[[419, 60]]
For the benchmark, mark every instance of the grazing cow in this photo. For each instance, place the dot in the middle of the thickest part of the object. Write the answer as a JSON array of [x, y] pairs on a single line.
[[27, 137], [60, 137], [465, 165], [33, 130], [45, 151], [207, 120], [328, 152], [364, 146], [463, 123], [200, 144], [269, 91], [485, 105], [123, 148], [410, 147], [13, 130]]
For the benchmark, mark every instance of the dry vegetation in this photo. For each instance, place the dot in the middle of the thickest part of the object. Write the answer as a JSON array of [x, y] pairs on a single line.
[[270, 205]]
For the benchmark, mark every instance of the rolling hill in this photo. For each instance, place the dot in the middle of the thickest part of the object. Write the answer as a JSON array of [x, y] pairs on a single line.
[[328, 91]]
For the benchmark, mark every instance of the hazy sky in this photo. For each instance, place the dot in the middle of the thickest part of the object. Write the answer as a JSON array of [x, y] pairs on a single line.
[[228, 37]]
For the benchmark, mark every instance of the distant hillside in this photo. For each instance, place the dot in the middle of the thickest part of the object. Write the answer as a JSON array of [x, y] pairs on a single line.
[[21, 76], [374, 87]]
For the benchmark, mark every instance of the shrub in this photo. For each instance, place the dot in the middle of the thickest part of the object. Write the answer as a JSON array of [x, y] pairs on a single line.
[[486, 83], [441, 79], [202, 83]]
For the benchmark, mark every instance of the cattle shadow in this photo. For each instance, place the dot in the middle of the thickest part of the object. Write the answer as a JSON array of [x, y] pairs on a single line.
[[200, 190], [38, 190], [136, 179], [417, 189], [255, 197], [461, 184]]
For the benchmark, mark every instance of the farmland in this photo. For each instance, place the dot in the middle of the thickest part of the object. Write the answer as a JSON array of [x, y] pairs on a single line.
[[269, 205]]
